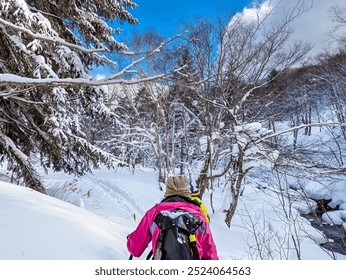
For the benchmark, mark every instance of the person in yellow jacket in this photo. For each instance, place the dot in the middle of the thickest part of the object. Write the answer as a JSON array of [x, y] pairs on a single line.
[[195, 197]]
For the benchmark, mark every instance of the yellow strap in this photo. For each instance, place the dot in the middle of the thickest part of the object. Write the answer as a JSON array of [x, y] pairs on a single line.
[[192, 238]]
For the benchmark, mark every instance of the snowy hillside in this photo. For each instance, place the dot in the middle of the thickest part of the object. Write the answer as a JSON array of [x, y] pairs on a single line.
[[35, 226]]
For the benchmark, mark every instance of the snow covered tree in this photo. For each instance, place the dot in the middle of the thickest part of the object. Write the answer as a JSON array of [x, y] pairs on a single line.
[[338, 16], [47, 49], [139, 136], [182, 114], [247, 52], [251, 48]]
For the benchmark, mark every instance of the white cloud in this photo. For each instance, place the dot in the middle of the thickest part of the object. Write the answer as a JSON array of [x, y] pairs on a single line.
[[254, 13], [315, 24], [312, 26]]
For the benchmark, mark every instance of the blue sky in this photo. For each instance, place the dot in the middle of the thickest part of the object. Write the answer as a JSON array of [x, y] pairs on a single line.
[[165, 16]]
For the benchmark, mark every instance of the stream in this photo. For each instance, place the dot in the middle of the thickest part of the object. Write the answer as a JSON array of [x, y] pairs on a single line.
[[334, 233]]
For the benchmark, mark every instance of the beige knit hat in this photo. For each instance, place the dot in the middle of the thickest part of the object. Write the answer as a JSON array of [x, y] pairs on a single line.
[[178, 185]]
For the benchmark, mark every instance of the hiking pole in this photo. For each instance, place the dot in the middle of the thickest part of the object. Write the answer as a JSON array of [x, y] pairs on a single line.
[[149, 255]]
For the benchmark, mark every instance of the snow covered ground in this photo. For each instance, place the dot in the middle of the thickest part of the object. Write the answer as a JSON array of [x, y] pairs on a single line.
[[90, 217]]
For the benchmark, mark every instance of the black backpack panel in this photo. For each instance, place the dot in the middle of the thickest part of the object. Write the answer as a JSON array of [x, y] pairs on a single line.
[[176, 227]]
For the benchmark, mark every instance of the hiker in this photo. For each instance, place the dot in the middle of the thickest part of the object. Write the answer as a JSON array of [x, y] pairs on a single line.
[[195, 192], [178, 204]]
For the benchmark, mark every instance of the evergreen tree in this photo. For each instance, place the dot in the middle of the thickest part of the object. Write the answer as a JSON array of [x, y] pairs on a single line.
[[184, 107], [53, 40]]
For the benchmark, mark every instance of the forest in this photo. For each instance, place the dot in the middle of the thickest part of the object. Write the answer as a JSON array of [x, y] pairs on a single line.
[[222, 102]]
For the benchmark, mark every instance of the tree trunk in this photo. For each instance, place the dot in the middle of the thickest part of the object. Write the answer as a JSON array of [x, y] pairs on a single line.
[[235, 186], [202, 181]]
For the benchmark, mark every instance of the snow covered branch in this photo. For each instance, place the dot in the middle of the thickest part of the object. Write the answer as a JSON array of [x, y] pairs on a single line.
[[32, 177], [53, 40], [10, 79], [333, 124]]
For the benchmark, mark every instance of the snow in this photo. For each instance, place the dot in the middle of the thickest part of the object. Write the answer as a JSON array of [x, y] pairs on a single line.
[[255, 126], [36, 227], [317, 190], [337, 217], [305, 207]]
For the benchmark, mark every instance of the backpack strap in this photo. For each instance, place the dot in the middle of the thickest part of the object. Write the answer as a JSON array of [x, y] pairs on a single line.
[[193, 243], [159, 246]]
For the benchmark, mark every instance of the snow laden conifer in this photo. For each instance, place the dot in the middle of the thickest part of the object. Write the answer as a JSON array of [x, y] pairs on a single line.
[[53, 40]]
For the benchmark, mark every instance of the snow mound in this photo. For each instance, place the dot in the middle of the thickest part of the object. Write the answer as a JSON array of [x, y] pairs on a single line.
[[36, 226]]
